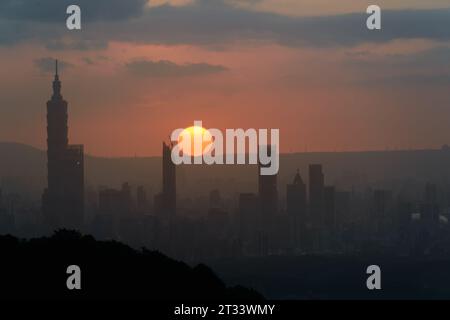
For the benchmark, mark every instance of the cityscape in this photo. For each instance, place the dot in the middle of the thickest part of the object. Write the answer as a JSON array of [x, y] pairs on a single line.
[[312, 218], [333, 185]]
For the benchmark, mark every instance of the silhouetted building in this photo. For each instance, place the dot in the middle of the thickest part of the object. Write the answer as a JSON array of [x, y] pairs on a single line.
[[429, 208], [104, 227], [296, 210], [1, 201], [316, 189], [329, 203], [141, 199], [114, 207], [215, 200], [403, 219], [267, 191], [343, 207], [166, 201], [63, 200], [126, 198], [296, 197], [382, 200], [430, 195], [382, 216], [268, 207], [218, 223], [248, 215], [263, 244], [115, 202], [7, 221]]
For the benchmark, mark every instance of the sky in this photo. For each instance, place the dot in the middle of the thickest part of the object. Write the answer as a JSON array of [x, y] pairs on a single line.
[[139, 69]]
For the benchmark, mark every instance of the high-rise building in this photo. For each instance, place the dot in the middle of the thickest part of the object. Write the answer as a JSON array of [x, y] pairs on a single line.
[[316, 188], [429, 207], [430, 195], [1, 200], [296, 210], [268, 206], [248, 220], [215, 200], [382, 200], [296, 197], [166, 201], [329, 207], [63, 200], [115, 202], [141, 199], [7, 219], [267, 191], [343, 207]]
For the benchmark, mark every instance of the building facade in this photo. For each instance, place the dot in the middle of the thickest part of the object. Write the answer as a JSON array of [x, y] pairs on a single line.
[[63, 199]]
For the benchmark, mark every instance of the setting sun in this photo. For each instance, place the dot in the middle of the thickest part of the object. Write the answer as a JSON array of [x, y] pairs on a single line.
[[195, 133]]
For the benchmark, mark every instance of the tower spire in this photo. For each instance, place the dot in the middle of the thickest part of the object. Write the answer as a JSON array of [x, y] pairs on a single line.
[[56, 83], [298, 178]]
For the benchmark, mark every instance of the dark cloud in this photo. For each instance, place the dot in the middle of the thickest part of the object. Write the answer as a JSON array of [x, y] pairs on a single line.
[[216, 23], [169, 69], [47, 64], [428, 67], [415, 81], [75, 43], [213, 23], [55, 11], [88, 61], [418, 80], [437, 57]]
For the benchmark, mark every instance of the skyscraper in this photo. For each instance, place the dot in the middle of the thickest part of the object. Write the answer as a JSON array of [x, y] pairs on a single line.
[[268, 206], [296, 197], [248, 216], [166, 201], [141, 199], [63, 200], [429, 208], [329, 207], [316, 188], [115, 202], [1, 200], [267, 192], [296, 210]]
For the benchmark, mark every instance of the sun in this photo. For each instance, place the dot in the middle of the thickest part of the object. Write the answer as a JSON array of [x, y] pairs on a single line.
[[195, 133]]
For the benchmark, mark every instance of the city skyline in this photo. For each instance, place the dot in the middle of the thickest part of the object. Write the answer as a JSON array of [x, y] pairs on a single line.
[[317, 165], [319, 218]]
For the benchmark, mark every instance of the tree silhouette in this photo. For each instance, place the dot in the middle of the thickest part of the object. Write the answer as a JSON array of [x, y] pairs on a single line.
[[36, 269]]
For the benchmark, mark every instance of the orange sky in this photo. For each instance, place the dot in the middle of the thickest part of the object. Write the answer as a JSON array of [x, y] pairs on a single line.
[[321, 98]]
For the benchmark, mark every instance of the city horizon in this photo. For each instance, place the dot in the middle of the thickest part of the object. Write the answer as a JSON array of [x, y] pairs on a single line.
[[387, 149]]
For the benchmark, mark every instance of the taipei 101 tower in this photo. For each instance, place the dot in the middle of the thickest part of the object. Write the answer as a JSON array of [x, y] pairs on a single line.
[[63, 200]]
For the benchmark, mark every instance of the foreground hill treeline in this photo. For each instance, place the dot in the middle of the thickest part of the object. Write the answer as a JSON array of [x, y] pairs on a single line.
[[36, 269]]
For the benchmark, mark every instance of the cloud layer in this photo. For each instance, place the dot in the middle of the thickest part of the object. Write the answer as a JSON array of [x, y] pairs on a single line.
[[54, 11], [165, 68], [205, 22]]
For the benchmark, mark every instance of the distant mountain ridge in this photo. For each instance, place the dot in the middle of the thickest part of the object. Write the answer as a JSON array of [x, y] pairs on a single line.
[[23, 169]]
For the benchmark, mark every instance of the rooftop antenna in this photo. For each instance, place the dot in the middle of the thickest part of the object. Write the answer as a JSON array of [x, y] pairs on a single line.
[[56, 66]]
